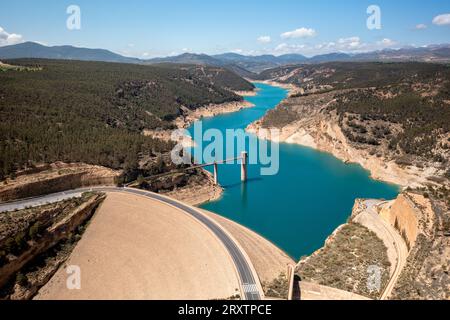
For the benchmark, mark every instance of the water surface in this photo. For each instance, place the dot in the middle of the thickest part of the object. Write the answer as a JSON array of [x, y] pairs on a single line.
[[298, 208]]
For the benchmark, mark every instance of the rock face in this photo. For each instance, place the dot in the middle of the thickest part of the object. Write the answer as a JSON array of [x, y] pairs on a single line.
[[212, 110], [61, 224], [344, 260], [56, 177], [426, 273], [403, 215], [309, 122]]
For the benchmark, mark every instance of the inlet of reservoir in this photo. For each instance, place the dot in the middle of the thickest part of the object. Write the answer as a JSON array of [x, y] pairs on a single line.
[[312, 194]]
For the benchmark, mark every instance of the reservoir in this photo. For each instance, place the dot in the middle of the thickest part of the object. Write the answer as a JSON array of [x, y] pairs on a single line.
[[312, 194]]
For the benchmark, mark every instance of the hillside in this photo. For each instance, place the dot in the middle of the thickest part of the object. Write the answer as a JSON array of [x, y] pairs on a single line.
[[392, 113], [394, 120], [346, 75], [257, 64], [244, 65], [38, 51], [95, 112]]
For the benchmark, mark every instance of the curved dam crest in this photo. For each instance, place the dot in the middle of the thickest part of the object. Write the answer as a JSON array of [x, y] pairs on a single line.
[[312, 194]]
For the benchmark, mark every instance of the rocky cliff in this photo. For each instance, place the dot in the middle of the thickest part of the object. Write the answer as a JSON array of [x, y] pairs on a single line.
[[47, 179], [38, 230]]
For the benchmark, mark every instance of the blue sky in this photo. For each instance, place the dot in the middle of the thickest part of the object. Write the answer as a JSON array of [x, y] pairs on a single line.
[[148, 28]]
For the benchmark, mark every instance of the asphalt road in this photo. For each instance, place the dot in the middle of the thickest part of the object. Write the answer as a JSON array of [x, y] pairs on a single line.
[[399, 245], [248, 281]]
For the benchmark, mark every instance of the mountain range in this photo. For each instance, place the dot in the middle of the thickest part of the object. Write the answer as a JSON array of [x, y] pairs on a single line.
[[241, 64]]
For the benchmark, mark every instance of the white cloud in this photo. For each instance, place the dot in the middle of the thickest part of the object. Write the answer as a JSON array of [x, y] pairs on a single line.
[[421, 26], [347, 44], [386, 42], [238, 51], [442, 20], [299, 33], [7, 39], [42, 43], [284, 48], [264, 39]]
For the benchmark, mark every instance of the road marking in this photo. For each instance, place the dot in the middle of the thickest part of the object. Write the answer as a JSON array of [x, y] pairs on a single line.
[[250, 288], [251, 291]]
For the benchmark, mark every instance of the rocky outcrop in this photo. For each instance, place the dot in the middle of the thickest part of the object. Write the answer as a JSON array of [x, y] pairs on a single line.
[[402, 214], [426, 273], [191, 116], [56, 177], [322, 132], [59, 230]]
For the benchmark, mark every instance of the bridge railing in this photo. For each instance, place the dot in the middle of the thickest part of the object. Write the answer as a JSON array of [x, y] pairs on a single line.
[[244, 172]]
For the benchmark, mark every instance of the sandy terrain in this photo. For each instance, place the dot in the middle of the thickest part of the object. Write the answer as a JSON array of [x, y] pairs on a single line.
[[137, 248], [372, 221], [397, 250], [55, 177], [210, 111], [327, 136], [313, 291], [198, 194], [184, 122], [290, 87], [247, 93], [268, 260]]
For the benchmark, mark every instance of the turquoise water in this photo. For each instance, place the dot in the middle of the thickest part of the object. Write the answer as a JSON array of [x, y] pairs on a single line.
[[298, 208]]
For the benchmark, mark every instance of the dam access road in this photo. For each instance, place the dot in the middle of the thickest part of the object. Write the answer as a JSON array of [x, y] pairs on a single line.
[[248, 279]]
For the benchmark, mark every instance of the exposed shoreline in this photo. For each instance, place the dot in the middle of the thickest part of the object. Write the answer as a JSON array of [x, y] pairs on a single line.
[[379, 168], [405, 218], [197, 195], [185, 121], [328, 137], [192, 116], [290, 87]]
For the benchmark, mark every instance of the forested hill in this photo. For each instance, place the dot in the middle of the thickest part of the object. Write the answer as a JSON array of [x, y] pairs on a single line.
[[94, 112], [399, 111], [345, 75]]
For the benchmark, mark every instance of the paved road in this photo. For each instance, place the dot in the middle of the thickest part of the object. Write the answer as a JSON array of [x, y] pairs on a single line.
[[246, 277], [388, 233]]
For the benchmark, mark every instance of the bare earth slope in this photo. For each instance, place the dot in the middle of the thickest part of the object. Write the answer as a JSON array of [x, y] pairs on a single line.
[[268, 260], [137, 248]]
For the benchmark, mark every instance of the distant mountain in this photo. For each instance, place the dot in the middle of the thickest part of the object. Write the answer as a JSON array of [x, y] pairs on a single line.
[[188, 58], [292, 58], [331, 57], [434, 53], [35, 50], [260, 63], [245, 66]]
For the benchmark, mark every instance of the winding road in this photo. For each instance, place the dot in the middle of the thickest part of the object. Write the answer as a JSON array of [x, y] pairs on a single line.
[[247, 277], [394, 242]]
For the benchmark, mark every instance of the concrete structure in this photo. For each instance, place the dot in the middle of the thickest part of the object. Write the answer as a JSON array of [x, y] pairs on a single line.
[[250, 286], [216, 173], [244, 172]]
